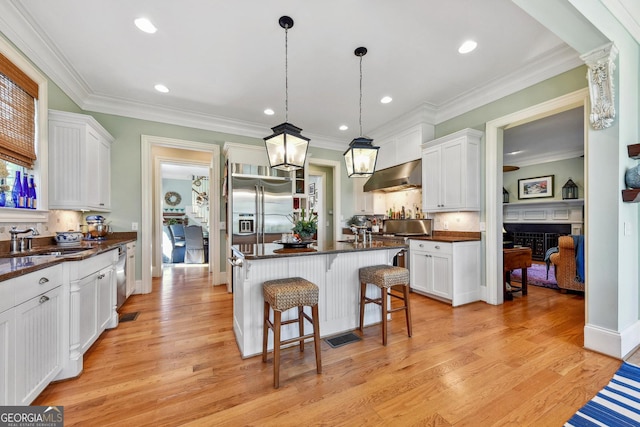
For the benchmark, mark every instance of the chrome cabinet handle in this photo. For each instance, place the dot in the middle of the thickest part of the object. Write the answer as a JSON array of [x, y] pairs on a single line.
[[437, 247], [43, 280], [44, 299]]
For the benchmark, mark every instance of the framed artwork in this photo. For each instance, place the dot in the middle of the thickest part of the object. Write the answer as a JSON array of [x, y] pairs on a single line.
[[533, 188], [312, 188]]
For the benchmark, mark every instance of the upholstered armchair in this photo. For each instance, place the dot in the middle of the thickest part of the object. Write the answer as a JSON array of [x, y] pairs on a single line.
[[565, 265]]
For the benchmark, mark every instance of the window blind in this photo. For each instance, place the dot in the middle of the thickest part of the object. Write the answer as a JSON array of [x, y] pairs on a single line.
[[18, 95]]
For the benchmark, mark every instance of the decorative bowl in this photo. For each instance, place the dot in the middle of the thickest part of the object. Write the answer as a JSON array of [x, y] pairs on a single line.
[[68, 237]]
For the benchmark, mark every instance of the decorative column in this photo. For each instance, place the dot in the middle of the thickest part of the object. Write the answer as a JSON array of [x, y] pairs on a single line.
[[600, 75]]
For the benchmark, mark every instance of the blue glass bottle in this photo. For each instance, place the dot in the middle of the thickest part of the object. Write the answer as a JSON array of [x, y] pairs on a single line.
[[3, 197], [32, 193], [17, 189], [25, 192]]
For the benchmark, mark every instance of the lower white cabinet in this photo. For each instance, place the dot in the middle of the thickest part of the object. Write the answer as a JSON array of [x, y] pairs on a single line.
[[92, 307], [31, 335], [446, 271], [7, 356], [131, 268], [38, 349]]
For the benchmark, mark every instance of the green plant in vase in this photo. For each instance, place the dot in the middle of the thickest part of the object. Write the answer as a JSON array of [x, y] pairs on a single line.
[[304, 226]]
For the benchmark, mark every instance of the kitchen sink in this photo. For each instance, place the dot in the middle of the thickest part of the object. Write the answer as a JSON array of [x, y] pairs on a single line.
[[63, 252]]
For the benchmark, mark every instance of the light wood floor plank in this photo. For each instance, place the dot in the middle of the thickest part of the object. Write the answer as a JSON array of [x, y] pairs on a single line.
[[521, 363]]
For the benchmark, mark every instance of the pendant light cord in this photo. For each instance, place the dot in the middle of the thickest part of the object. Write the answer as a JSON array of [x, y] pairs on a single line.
[[286, 73], [360, 95]]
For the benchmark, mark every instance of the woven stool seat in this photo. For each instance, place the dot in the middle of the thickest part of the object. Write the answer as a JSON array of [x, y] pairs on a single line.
[[385, 277], [283, 294]]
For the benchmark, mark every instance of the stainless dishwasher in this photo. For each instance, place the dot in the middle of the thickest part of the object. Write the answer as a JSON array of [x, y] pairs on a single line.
[[121, 276]]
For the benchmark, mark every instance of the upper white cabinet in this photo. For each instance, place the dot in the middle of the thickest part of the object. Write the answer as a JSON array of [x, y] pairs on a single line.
[[403, 146], [79, 163], [451, 172]]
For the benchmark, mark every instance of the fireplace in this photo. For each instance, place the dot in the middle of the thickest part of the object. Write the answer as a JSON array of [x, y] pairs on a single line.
[[538, 237]]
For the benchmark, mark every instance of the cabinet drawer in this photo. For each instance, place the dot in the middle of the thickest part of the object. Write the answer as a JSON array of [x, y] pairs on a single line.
[[429, 246], [7, 295], [36, 283]]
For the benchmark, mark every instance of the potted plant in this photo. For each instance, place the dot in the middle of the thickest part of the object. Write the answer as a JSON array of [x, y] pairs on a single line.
[[305, 227]]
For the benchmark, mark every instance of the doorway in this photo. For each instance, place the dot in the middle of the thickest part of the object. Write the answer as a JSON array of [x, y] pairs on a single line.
[[327, 174], [154, 150], [494, 179]]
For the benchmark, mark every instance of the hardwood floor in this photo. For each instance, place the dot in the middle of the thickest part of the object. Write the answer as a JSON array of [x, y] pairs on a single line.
[[479, 365]]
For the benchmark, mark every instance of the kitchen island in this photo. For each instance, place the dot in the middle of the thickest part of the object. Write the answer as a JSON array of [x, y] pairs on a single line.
[[334, 269]]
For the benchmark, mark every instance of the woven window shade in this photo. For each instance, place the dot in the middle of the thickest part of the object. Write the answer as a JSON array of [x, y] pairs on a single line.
[[18, 94]]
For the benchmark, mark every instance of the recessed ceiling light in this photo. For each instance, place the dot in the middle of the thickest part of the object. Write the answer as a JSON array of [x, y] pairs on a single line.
[[343, 127], [386, 99], [145, 25], [513, 153], [161, 88], [467, 46], [269, 112]]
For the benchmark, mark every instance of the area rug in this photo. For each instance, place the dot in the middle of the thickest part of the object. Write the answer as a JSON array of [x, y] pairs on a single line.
[[537, 276], [618, 404]]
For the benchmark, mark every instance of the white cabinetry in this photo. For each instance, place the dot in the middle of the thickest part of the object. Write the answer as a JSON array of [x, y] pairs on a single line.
[[364, 199], [79, 163], [131, 268], [38, 320], [403, 146], [7, 356], [446, 271], [451, 172], [92, 306]]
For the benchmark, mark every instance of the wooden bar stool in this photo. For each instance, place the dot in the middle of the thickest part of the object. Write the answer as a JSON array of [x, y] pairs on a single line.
[[386, 277], [281, 295]]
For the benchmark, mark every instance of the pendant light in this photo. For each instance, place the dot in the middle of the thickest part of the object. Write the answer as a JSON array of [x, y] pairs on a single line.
[[361, 156], [286, 147]]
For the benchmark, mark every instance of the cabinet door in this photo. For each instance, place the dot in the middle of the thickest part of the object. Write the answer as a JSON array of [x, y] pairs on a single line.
[[440, 275], [431, 180], [419, 271], [364, 200], [104, 182], [85, 300], [7, 357], [452, 175], [38, 350], [67, 153], [131, 268], [106, 297]]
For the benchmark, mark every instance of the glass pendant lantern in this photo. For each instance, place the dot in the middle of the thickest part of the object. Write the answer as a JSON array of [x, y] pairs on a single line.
[[569, 190], [286, 147], [361, 156]]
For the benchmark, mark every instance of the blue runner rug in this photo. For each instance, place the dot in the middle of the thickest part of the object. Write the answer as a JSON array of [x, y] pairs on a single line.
[[618, 404]]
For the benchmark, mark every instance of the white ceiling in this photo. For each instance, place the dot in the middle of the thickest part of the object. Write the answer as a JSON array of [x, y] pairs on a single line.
[[224, 61]]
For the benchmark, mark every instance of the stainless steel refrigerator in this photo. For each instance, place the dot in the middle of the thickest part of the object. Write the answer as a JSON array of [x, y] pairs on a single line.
[[261, 209]]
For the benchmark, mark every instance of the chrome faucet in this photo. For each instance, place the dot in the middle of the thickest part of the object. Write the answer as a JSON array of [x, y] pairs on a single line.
[[14, 239]]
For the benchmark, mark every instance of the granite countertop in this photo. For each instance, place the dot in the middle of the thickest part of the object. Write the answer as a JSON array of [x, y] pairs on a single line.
[[448, 239], [14, 265], [275, 250]]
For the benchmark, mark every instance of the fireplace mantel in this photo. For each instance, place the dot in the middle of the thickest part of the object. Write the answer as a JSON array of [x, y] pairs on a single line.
[[546, 212]]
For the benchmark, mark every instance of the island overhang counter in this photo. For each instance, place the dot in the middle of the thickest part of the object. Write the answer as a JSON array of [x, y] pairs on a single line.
[[334, 269]]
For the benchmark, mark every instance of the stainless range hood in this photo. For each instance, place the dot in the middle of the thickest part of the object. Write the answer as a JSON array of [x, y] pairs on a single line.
[[401, 177]]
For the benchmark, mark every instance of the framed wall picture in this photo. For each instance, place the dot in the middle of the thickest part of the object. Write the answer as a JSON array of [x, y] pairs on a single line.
[[533, 188]]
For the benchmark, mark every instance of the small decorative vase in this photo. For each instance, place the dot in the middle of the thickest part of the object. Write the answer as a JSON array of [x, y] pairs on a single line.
[[305, 235], [632, 177]]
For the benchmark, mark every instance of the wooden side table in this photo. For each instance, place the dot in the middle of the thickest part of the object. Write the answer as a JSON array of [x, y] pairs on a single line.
[[514, 258]]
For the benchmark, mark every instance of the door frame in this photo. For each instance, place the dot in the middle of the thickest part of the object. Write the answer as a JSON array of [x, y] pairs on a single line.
[[493, 179], [150, 189], [337, 179]]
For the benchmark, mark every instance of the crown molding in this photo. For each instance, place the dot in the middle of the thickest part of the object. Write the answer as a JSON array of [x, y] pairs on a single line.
[[542, 158], [543, 67], [424, 114]]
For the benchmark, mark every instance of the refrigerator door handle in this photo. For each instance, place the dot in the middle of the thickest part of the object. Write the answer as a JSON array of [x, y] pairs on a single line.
[[258, 215], [262, 212]]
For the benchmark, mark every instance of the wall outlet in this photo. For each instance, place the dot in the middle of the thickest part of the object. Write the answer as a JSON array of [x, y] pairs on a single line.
[[134, 226], [445, 225]]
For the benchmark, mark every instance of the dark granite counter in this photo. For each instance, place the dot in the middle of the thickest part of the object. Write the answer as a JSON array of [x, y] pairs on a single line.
[[14, 265], [448, 239], [275, 250]]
